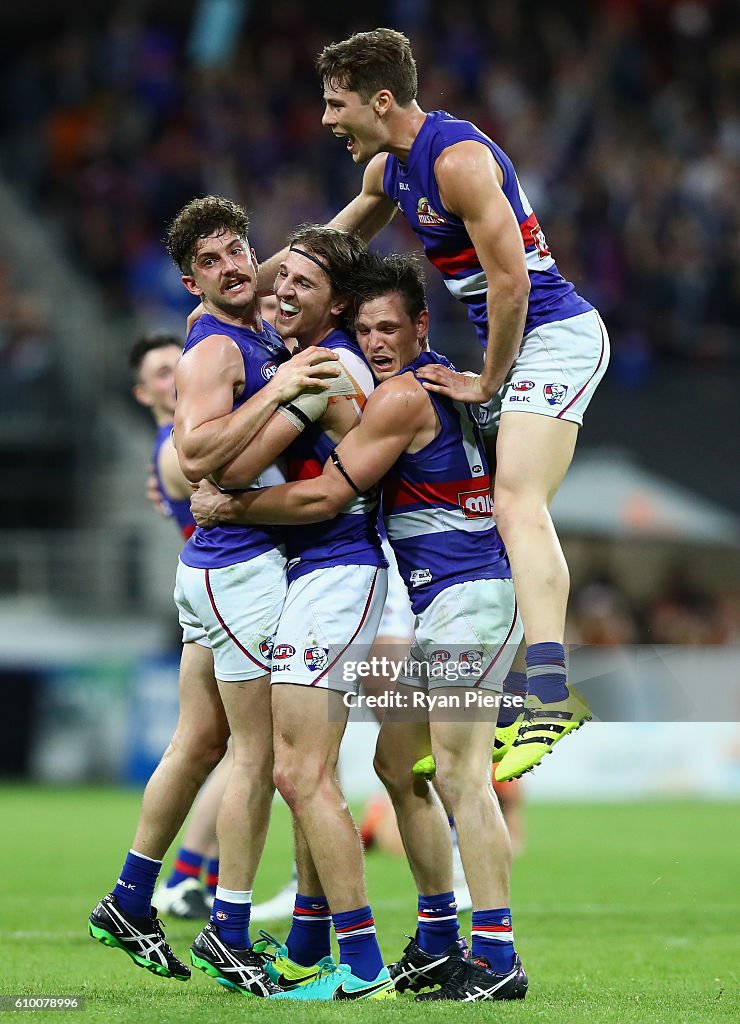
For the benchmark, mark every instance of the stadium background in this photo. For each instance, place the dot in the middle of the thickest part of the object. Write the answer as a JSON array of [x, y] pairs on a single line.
[[623, 119]]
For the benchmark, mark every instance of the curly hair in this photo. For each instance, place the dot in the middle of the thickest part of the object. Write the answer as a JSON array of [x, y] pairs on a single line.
[[370, 61], [199, 219]]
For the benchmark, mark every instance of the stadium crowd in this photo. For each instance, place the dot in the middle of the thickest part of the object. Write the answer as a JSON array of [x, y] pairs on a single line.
[[622, 118]]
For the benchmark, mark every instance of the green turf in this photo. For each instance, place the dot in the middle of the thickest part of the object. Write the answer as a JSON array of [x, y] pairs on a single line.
[[622, 914]]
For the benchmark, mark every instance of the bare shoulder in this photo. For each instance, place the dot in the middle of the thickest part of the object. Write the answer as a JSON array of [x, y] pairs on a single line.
[[372, 179], [402, 398]]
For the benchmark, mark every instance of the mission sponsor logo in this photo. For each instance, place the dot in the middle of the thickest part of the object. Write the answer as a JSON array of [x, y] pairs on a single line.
[[475, 504], [427, 215]]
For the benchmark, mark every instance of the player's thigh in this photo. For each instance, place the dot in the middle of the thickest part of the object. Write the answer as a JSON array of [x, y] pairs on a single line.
[[533, 454], [202, 720], [308, 727], [248, 710]]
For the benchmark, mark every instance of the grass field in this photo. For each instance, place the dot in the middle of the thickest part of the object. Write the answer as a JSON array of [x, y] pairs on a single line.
[[622, 913]]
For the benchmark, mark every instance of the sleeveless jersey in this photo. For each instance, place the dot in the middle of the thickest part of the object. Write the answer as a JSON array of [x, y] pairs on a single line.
[[262, 354], [178, 508], [447, 244], [437, 506], [351, 538]]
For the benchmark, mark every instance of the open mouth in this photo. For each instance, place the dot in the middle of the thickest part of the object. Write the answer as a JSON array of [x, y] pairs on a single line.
[[235, 286], [381, 363], [350, 139], [287, 310]]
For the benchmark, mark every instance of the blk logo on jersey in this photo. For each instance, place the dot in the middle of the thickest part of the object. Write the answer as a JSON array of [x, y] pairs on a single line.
[[266, 648], [268, 370], [555, 393], [427, 216], [475, 504], [522, 385], [282, 651], [316, 658], [419, 577]]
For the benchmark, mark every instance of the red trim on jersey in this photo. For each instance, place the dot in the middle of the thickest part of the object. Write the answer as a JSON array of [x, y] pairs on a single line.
[[601, 359], [528, 227], [304, 469], [454, 263], [230, 635], [398, 493], [189, 530]]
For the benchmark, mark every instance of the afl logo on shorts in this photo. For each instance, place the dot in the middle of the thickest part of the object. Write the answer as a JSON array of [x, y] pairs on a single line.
[[282, 651], [522, 385], [268, 370], [438, 657], [316, 658], [555, 393], [266, 648]]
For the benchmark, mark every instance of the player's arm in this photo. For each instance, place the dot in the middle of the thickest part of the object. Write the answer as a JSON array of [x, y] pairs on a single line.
[[467, 176], [334, 411], [209, 433], [372, 209], [175, 484], [393, 415]]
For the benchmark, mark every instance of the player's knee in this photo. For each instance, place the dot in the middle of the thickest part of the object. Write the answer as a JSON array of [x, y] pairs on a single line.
[[389, 771], [452, 779], [202, 750]]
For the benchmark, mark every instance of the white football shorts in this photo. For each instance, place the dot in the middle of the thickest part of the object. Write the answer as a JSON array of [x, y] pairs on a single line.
[[330, 616], [468, 637], [558, 368], [235, 611]]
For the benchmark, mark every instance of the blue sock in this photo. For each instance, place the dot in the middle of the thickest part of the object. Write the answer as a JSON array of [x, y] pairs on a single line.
[[438, 925], [493, 937], [211, 875], [515, 685], [135, 887], [309, 938], [546, 672], [230, 915], [187, 865], [358, 944]]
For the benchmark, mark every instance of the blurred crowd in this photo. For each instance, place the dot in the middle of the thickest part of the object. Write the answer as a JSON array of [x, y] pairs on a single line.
[[622, 117], [678, 611]]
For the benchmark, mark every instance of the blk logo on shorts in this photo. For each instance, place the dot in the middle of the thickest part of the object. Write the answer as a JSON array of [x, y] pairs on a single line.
[[555, 393], [316, 658]]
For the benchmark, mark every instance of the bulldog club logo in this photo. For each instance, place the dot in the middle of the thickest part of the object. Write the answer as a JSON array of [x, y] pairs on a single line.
[[426, 214], [555, 393], [266, 648], [471, 657], [316, 658], [268, 370], [522, 385], [282, 651]]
